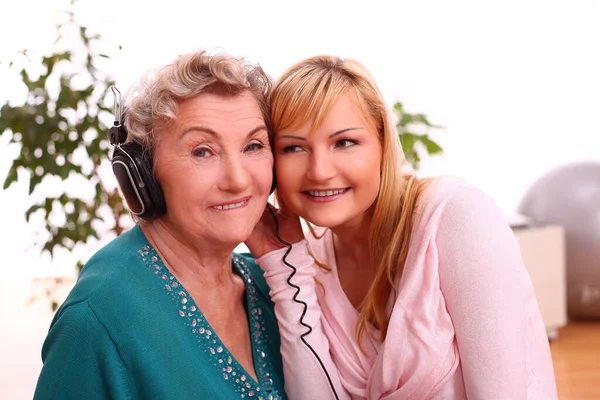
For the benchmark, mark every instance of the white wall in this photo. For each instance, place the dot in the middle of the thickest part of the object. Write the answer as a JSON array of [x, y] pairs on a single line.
[[516, 84]]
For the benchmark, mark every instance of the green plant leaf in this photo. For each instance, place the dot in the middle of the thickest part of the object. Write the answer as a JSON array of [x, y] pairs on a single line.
[[50, 126], [431, 146], [413, 143]]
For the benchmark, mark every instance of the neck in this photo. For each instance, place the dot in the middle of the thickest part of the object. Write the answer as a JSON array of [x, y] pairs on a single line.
[[352, 239], [190, 260]]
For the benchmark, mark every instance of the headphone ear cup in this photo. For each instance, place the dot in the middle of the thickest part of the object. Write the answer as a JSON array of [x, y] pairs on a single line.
[[132, 167]]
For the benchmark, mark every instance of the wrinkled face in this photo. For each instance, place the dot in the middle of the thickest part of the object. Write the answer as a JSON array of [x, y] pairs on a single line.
[[332, 177], [215, 167]]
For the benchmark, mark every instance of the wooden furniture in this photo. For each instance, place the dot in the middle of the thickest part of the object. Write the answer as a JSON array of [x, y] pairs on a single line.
[[543, 252]]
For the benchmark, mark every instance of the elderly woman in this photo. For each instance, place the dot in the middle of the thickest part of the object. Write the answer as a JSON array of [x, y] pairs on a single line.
[[166, 311]]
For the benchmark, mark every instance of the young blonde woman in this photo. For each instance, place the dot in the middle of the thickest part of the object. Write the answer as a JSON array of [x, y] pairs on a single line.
[[409, 289]]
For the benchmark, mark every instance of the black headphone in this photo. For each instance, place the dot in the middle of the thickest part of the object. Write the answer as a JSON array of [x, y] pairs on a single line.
[[132, 166]]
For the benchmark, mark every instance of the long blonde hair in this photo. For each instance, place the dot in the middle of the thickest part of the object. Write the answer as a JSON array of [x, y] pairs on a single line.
[[309, 90]]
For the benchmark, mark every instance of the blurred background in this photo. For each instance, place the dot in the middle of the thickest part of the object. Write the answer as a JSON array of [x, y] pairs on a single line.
[[511, 89]]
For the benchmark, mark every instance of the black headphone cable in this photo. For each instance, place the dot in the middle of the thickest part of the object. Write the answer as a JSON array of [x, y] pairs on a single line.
[[295, 298]]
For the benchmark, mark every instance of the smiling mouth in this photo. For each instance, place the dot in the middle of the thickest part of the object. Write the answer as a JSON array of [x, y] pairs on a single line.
[[326, 193], [232, 205]]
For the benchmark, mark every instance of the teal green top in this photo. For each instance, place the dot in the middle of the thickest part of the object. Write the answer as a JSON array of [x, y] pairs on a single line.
[[130, 330]]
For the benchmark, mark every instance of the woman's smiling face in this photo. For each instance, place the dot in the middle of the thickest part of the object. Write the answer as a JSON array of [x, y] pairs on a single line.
[[215, 167], [331, 177]]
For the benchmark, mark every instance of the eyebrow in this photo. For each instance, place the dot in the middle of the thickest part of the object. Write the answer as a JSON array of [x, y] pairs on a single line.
[[334, 134], [198, 128]]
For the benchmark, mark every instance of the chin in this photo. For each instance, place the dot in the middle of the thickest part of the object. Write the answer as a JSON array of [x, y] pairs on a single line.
[[235, 240], [237, 237], [325, 221]]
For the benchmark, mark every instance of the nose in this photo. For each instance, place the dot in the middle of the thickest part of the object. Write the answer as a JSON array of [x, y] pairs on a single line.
[[321, 167], [235, 178]]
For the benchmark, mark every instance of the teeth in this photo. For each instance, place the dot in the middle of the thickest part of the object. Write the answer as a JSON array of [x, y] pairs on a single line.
[[230, 206], [323, 193]]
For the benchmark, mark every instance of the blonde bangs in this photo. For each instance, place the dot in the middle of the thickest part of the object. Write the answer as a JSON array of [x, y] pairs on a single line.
[[305, 98]]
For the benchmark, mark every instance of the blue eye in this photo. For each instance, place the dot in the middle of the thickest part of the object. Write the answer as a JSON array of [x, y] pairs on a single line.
[[345, 143], [252, 147], [202, 152]]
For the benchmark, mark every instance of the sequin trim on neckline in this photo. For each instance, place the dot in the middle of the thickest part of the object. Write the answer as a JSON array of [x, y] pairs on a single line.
[[222, 359]]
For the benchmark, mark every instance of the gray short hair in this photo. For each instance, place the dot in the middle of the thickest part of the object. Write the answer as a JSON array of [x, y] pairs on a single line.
[[152, 104]]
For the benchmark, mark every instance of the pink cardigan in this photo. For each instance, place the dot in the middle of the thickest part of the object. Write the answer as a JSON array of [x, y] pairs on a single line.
[[464, 325]]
